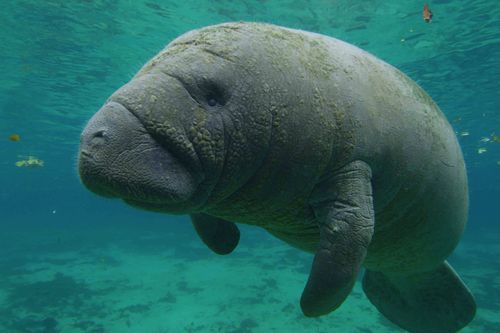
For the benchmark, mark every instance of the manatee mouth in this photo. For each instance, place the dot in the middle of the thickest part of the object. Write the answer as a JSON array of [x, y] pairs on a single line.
[[159, 181], [120, 159]]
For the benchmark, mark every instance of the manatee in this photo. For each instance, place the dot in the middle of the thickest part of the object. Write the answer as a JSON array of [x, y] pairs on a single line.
[[318, 142]]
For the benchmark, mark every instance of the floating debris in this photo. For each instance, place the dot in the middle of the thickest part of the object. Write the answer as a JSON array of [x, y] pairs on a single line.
[[427, 14], [15, 137], [30, 162], [495, 137], [482, 150]]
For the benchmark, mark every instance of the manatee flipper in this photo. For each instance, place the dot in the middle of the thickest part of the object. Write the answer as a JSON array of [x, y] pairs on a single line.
[[219, 235], [344, 211], [429, 302]]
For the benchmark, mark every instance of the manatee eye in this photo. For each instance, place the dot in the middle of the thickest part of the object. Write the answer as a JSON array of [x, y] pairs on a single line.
[[215, 95], [211, 101]]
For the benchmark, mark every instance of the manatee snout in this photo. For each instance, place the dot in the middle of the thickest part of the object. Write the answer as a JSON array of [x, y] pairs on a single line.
[[98, 144], [107, 130], [119, 158]]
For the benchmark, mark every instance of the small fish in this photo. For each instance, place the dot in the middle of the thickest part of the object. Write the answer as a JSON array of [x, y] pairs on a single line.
[[495, 138], [485, 139], [464, 133], [31, 162], [427, 14], [14, 137], [482, 150]]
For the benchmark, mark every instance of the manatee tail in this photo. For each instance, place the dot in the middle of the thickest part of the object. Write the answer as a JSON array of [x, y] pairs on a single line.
[[428, 302]]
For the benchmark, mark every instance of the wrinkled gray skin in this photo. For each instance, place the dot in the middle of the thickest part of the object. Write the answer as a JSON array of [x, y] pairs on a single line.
[[318, 142]]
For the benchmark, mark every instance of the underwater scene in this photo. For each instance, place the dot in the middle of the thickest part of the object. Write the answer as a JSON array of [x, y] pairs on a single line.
[[77, 261]]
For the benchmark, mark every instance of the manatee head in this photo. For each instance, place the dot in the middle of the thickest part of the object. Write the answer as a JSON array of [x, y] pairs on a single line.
[[190, 128]]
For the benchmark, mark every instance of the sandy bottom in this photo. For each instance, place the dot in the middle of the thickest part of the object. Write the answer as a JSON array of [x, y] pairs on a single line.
[[158, 281]]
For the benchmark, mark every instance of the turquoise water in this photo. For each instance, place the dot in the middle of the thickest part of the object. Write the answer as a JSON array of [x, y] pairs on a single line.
[[74, 262]]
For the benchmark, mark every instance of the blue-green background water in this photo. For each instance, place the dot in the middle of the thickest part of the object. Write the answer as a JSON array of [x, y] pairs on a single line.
[[60, 60]]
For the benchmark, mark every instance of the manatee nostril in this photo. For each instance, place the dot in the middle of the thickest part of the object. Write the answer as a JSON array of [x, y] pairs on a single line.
[[85, 153], [100, 134], [98, 137]]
